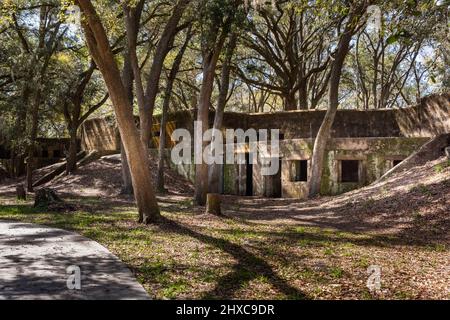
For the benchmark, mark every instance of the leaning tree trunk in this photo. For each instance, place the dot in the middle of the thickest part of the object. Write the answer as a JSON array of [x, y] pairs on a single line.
[[127, 183], [164, 45], [136, 154], [333, 94], [167, 94], [127, 80]]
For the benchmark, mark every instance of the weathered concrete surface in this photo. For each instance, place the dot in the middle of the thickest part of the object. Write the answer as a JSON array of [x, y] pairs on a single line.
[[427, 119], [34, 261]]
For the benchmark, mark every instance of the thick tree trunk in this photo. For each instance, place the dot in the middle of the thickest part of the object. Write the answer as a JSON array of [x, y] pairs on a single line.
[[214, 172], [213, 204], [321, 140], [21, 192], [201, 170], [127, 184], [210, 57], [290, 102], [33, 136], [20, 127], [137, 156], [71, 166], [132, 20], [127, 80], [303, 95]]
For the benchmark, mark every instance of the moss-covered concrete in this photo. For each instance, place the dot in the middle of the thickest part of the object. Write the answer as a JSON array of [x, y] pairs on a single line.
[[376, 156]]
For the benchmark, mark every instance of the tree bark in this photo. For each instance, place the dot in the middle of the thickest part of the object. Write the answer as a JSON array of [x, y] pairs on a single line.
[[72, 153], [289, 101], [214, 174], [209, 64], [127, 80], [21, 192], [136, 155], [303, 95], [163, 48], [321, 140], [127, 183], [167, 95], [213, 204], [201, 170], [33, 136]]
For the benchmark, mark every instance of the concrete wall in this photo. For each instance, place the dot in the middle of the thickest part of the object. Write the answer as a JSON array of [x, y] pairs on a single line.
[[375, 138], [47, 151], [427, 119], [376, 156], [100, 134]]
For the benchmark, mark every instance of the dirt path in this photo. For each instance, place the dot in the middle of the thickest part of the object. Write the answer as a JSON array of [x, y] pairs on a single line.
[[34, 261]]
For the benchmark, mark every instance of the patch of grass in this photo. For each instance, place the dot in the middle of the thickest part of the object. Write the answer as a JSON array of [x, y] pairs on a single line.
[[423, 189], [207, 275], [438, 247], [329, 251], [300, 230], [196, 253], [237, 234], [174, 289], [153, 270], [363, 262], [307, 273], [304, 242], [193, 258], [403, 295], [367, 295], [336, 272], [439, 168], [187, 203]]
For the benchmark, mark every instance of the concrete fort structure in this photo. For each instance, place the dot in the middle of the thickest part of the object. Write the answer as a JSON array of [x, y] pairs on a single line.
[[363, 145], [47, 151]]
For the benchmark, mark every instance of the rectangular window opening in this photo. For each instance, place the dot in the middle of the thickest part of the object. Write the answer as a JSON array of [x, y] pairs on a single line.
[[396, 162], [57, 154], [350, 171], [300, 170]]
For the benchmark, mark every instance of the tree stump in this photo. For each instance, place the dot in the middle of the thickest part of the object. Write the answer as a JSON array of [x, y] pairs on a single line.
[[46, 197], [21, 193], [213, 201]]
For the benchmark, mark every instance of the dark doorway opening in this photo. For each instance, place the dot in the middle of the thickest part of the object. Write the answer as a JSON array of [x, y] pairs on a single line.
[[349, 171], [300, 169], [277, 181], [249, 176], [272, 184], [57, 154], [396, 162]]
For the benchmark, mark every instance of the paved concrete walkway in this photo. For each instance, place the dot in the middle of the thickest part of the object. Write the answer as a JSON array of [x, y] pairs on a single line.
[[34, 261]]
